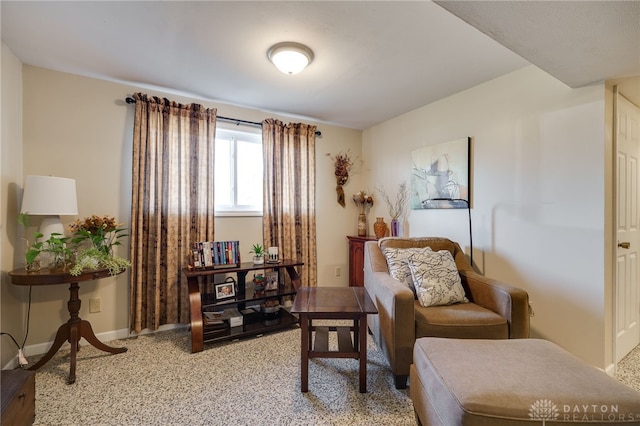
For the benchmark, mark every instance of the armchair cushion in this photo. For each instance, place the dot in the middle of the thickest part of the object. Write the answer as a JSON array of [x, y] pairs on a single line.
[[460, 321], [436, 278]]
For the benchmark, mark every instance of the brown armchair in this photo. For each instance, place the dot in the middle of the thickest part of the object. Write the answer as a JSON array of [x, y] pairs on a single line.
[[495, 310]]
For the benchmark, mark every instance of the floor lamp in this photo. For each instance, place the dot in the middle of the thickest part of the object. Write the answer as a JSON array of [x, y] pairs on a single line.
[[50, 197], [466, 202]]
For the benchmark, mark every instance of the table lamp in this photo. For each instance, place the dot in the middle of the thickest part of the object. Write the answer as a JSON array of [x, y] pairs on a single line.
[[51, 197]]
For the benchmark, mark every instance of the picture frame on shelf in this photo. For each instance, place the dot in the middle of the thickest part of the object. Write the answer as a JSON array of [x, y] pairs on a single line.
[[225, 290], [271, 280]]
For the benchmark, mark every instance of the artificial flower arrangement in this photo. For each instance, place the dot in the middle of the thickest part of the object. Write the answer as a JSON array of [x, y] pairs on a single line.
[[95, 238], [342, 164], [363, 200]]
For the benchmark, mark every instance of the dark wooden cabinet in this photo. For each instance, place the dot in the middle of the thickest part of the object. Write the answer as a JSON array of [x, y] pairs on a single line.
[[356, 259], [18, 397]]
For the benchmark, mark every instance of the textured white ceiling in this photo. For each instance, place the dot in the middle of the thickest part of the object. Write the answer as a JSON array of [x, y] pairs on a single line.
[[373, 60]]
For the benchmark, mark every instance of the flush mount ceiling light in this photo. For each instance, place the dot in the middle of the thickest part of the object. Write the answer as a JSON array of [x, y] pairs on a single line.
[[290, 57]]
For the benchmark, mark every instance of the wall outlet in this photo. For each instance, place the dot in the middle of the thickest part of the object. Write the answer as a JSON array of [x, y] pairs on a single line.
[[95, 305], [338, 271]]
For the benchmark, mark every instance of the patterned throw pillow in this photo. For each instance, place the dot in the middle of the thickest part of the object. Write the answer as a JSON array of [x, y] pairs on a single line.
[[436, 278], [397, 260]]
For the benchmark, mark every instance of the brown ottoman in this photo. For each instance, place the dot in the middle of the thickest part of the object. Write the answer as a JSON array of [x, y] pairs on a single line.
[[513, 382]]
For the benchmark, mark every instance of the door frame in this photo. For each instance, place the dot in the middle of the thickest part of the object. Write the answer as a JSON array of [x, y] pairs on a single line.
[[613, 247]]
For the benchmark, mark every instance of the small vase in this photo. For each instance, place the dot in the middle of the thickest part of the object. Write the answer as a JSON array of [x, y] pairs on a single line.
[[362, 225], [395, 228], [258, 260], [380, 228]]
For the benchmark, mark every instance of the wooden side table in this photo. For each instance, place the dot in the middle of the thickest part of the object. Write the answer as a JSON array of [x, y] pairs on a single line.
[[333, 303], [74, 329], [356, 259]]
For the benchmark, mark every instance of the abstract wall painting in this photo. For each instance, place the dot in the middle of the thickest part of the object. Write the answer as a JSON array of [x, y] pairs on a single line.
[[440, 176]]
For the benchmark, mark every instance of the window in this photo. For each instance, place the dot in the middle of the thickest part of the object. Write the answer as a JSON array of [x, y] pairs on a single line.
[[238, 178]]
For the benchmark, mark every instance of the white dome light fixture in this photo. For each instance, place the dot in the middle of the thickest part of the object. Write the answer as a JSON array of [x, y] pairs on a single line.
[[290, 57]]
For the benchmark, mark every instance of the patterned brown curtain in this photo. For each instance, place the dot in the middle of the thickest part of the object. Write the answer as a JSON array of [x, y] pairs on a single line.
[[289, 217], [172, 205]]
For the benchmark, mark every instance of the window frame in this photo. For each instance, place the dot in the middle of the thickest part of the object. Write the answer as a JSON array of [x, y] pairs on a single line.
[[249, 134]]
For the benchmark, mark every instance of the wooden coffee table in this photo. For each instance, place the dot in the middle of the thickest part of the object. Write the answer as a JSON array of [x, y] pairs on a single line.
[[333, 303]]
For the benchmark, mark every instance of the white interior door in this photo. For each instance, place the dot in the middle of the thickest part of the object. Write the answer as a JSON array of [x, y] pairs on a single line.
[[627, 304]]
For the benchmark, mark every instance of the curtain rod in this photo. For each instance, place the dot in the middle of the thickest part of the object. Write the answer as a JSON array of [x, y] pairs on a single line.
[[237, 121]]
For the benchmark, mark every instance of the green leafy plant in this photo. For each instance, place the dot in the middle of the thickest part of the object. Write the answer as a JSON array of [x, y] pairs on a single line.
[[258, 250], [61, 255], [33, 250]]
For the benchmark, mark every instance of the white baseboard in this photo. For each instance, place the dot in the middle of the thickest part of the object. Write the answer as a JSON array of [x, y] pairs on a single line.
[[611, 370], [42, 348]]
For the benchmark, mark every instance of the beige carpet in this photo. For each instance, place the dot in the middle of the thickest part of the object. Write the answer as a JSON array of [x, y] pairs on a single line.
[[158, 381], [628, 370]]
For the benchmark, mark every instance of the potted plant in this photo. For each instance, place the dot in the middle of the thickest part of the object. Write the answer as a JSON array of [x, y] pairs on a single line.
[[61, 255], [258, 254], [95, 238], [31, 262]]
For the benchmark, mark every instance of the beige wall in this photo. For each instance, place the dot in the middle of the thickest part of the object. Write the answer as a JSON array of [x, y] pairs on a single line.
[[541, 155], [538, 193], [81, 128], [12, 313]]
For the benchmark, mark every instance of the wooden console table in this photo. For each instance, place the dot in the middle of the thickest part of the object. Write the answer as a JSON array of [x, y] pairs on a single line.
[[75, 328], [201, 301]]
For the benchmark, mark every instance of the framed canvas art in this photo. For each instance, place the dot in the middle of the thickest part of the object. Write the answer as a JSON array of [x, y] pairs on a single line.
[[440, 175]]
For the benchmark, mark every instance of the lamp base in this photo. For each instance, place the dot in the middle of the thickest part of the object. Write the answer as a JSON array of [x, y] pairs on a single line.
[[51, 225]]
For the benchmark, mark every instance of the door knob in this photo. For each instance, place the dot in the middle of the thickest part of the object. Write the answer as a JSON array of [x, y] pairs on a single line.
[[624, 245]]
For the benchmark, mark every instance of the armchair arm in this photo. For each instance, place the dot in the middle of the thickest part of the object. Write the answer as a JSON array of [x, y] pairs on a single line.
[[510, 302], [394, 326]]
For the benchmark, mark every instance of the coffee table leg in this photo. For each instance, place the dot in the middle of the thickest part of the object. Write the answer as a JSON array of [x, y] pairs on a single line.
[[362, 336], [304, 353]]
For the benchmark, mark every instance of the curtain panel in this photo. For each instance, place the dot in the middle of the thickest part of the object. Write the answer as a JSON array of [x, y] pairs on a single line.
[[289, 220], [172, 205]]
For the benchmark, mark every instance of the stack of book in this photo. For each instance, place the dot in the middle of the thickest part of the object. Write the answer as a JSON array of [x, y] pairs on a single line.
[[229, 317], [209, 254]]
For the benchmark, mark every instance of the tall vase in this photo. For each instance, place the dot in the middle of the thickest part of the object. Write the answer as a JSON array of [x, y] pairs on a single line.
[[362, 225], [380, 228], [395, 227]]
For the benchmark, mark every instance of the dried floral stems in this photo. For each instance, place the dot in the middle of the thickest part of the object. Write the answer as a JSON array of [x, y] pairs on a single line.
[[396, 209]]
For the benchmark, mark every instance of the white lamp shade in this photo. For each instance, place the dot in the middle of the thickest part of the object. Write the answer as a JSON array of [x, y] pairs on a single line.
[[289, 57], [49, 196]]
